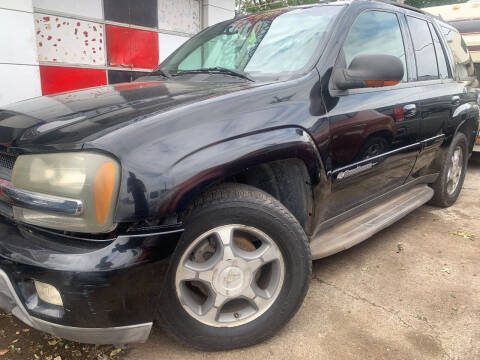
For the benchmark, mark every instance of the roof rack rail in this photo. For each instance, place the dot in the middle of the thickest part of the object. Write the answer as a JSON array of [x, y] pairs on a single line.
[[394, 3]]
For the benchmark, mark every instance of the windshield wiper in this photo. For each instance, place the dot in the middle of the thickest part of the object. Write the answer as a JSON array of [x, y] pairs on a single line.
[[161, 72], [219, 70]]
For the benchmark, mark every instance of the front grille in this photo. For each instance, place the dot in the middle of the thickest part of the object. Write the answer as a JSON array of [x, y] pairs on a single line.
[[7, 161]]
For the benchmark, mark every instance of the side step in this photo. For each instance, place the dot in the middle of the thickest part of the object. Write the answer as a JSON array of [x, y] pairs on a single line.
[[356, 229]]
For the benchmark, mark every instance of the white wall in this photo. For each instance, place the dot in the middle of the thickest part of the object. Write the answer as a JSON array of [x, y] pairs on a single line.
[[19, 82], [168, 44], [182, 15], [87, 8], [18, 59], [215, 11]]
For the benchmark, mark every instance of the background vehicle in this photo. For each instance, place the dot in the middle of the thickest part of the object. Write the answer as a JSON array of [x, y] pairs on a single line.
[[199, 195], [465, 18]]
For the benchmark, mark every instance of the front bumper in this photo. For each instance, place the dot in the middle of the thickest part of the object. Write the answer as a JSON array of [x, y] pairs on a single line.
[[9, 301], [109, 290]]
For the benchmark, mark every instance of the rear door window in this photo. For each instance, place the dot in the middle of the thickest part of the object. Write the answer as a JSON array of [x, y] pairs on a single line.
[[442, 62], [425, 57], [375, 32]]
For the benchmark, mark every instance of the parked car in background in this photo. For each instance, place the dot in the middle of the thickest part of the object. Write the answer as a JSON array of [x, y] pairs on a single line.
[[464, 40], [198, 196]]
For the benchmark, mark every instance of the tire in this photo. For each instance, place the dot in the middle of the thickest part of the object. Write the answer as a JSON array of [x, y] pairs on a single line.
[[254, 215], [447, 187]]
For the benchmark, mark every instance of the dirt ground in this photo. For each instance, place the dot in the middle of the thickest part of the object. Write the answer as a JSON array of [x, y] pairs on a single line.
[[410, 292], [19, 342]]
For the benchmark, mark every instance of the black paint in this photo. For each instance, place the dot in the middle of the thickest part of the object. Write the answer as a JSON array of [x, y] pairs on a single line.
[[174, 137]]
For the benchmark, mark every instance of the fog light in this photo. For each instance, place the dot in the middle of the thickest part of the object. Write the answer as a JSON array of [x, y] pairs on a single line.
[[48, 293]]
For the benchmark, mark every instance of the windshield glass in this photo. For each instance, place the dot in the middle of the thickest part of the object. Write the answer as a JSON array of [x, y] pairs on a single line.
[[264, 44]]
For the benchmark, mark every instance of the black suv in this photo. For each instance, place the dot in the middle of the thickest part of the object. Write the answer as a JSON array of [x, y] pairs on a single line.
[[199, 195]]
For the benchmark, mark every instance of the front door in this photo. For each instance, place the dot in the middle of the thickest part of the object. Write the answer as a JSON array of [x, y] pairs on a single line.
[[374, 131]]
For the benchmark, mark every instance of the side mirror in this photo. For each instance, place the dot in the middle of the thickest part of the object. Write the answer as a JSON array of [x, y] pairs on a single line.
[[369, 71]]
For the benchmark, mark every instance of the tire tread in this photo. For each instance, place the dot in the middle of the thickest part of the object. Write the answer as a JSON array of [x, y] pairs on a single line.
[[232, 193]]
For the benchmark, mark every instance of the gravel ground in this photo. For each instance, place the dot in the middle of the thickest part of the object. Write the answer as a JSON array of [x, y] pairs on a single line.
[[410, 292]]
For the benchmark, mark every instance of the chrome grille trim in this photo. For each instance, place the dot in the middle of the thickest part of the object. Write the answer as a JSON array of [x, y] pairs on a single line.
[[40, 202]]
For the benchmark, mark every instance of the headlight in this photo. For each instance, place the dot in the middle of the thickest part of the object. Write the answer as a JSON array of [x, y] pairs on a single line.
[[67, 191]]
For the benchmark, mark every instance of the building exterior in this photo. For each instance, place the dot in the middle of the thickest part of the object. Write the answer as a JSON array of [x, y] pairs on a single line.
[[49, 46]]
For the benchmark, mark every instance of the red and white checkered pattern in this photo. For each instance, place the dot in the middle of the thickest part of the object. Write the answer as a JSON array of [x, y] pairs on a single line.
[[60, 45]]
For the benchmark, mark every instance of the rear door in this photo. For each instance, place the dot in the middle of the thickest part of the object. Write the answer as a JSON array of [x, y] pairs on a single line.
[[374, 132], [440, 95]]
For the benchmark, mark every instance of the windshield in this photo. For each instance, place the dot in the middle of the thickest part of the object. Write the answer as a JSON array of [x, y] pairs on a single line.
[[265, 44]]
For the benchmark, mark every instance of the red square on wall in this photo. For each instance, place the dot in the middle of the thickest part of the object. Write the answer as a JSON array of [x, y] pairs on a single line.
[[131, 48], [57, 79]]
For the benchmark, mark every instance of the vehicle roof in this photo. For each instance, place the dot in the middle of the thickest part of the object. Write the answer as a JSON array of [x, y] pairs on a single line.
[[352, 2], [349, 2]]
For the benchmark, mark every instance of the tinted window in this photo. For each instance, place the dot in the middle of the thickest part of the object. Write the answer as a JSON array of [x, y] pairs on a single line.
[[424, 50], [375, 32], [442, 62]]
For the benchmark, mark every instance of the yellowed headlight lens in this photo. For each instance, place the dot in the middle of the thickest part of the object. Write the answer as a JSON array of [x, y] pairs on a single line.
[[91, 178]]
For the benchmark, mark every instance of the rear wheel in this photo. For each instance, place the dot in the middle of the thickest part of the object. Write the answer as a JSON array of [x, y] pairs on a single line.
[[452, 174], [239, 273]]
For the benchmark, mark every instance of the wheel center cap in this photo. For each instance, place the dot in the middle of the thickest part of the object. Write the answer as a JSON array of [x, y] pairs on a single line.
[[230, 281], [231, 278]]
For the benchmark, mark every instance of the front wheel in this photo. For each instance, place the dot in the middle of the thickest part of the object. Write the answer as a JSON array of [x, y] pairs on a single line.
[[449, 184], [239, 273]]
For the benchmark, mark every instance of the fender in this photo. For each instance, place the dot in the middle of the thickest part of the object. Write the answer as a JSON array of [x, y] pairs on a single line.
[[193, 173], [469, 115]]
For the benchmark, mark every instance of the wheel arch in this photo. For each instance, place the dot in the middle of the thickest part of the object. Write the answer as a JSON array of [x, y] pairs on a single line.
[[468, 124], [469, 128], [283, 162]]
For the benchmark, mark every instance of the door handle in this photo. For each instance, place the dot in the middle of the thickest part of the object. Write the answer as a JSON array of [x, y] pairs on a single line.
[[409, 110], [456, 100]]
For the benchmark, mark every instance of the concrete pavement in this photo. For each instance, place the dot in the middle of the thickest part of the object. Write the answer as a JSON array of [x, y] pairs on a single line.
[[410, 292]]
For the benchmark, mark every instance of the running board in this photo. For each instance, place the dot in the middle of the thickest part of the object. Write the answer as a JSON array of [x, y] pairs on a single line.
[[359, 228]]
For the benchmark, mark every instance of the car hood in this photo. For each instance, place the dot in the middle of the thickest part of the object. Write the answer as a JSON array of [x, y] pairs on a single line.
[[68, 120]]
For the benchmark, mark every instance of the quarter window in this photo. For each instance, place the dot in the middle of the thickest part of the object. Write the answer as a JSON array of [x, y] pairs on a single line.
[[427, 68], [375, 32]]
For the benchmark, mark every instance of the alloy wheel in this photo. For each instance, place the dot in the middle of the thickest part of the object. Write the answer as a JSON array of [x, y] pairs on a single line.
[[230, 276], [455, 171]]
